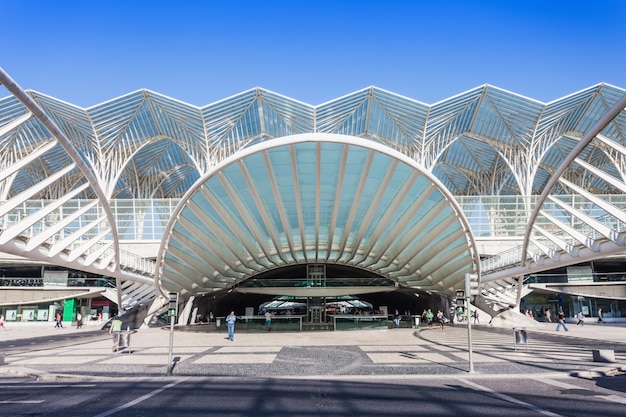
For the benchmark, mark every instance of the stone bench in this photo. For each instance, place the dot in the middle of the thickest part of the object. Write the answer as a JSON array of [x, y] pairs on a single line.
[[603, 355]]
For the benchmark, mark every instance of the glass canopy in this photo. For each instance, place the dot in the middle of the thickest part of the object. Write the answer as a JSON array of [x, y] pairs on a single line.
[[316, 198]]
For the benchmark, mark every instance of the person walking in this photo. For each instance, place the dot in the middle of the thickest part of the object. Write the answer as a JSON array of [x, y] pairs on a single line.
[[59, 321], [79, 320], [561, 321], [396, 319], [230, 324], [548, 315], [2, 322], [429, 318], [440, 318], [581, 318], [268, 320], [599, 315], [475, 316], [115, 330]]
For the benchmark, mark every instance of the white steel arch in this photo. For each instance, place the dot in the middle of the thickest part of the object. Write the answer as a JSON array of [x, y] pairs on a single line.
[[84, 248], [290, 201], [593, 232], [483, 142]]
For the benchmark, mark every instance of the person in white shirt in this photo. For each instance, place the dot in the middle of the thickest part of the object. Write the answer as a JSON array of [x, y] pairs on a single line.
[[268, 320]]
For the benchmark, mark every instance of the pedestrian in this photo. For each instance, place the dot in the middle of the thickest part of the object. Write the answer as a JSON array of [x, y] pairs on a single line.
[[79, 320], [268, 320], [99, 316], [115, 330], [59, 321], [548, 315], [581, 318], [429, 318], [210, 317], [599, 315], [561, 320], [396, 319], [2, 322], [475, 316], [230, 324], [440, 318]]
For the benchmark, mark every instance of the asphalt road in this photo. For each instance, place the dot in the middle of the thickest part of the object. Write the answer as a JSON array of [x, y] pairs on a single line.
[[372, 397]]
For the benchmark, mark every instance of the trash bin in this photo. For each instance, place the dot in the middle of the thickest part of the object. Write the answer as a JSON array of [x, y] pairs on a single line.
[[124, 340], [218, 322], [520, 337], [417, 322], [121, 340]]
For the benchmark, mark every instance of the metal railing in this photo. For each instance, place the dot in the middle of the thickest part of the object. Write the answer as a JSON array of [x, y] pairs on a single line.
[[490, 217], [56, 282]]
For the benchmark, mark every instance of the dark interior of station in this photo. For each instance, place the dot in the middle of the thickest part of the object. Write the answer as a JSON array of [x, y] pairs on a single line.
[[405, 300]]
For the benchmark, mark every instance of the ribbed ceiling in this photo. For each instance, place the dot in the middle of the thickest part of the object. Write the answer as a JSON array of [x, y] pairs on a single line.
[[316, 198]]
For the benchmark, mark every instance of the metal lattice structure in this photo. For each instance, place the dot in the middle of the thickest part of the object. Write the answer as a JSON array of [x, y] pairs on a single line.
[[484, 142]]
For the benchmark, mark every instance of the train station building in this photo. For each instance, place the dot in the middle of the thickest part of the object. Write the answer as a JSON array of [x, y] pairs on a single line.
[[365, 204]]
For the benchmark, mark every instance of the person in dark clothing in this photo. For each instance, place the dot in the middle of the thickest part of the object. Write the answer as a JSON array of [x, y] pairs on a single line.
[[561, 320]]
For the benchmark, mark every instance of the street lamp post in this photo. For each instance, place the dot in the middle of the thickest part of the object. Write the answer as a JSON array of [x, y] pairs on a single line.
[[471, 289]]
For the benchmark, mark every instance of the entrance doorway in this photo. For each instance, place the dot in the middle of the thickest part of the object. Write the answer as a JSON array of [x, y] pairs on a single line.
[[317, 314]]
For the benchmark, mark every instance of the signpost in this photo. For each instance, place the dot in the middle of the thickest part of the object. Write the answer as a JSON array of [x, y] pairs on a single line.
[[172, 310]]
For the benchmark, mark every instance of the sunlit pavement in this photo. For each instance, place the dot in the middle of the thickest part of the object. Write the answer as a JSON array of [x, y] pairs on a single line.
[[51, 353]]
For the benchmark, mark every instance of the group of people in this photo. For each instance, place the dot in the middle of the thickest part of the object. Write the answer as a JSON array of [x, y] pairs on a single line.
[[580, 316], [429, 317], [58, 320]]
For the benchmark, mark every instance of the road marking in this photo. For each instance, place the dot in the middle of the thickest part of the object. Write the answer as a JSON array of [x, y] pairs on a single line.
[[511, 399], [140, 399], [559, 384], [21, 386], [614, 398], [565, 385], [22, 402]]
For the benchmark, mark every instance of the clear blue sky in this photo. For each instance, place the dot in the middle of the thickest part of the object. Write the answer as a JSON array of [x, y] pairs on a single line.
[[87, 52]]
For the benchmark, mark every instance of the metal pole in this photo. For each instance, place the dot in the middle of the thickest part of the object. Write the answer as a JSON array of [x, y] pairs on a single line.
[[469, 323], [170, 365]]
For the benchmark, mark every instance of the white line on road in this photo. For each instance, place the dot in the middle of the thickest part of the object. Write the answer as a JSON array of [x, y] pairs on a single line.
[[140, 399], [21, 402], [558, 384], [565, 385], [614, 398], [29, 386], [511, 399]]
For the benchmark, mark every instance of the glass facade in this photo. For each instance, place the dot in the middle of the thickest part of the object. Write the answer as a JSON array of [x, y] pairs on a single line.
[[385, 191]]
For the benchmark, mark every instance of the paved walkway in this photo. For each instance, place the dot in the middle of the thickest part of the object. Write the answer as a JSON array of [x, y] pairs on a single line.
[[52, 353]]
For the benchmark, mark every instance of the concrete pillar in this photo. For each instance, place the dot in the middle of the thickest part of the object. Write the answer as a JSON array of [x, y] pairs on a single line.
[[520, 288], [183, 318]]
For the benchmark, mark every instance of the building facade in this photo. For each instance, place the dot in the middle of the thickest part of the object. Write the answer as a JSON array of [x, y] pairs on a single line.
[[124, 202]]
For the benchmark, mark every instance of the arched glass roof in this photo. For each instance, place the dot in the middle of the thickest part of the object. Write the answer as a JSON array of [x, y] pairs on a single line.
[[316, 198], [483, 142], [480, 142]]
